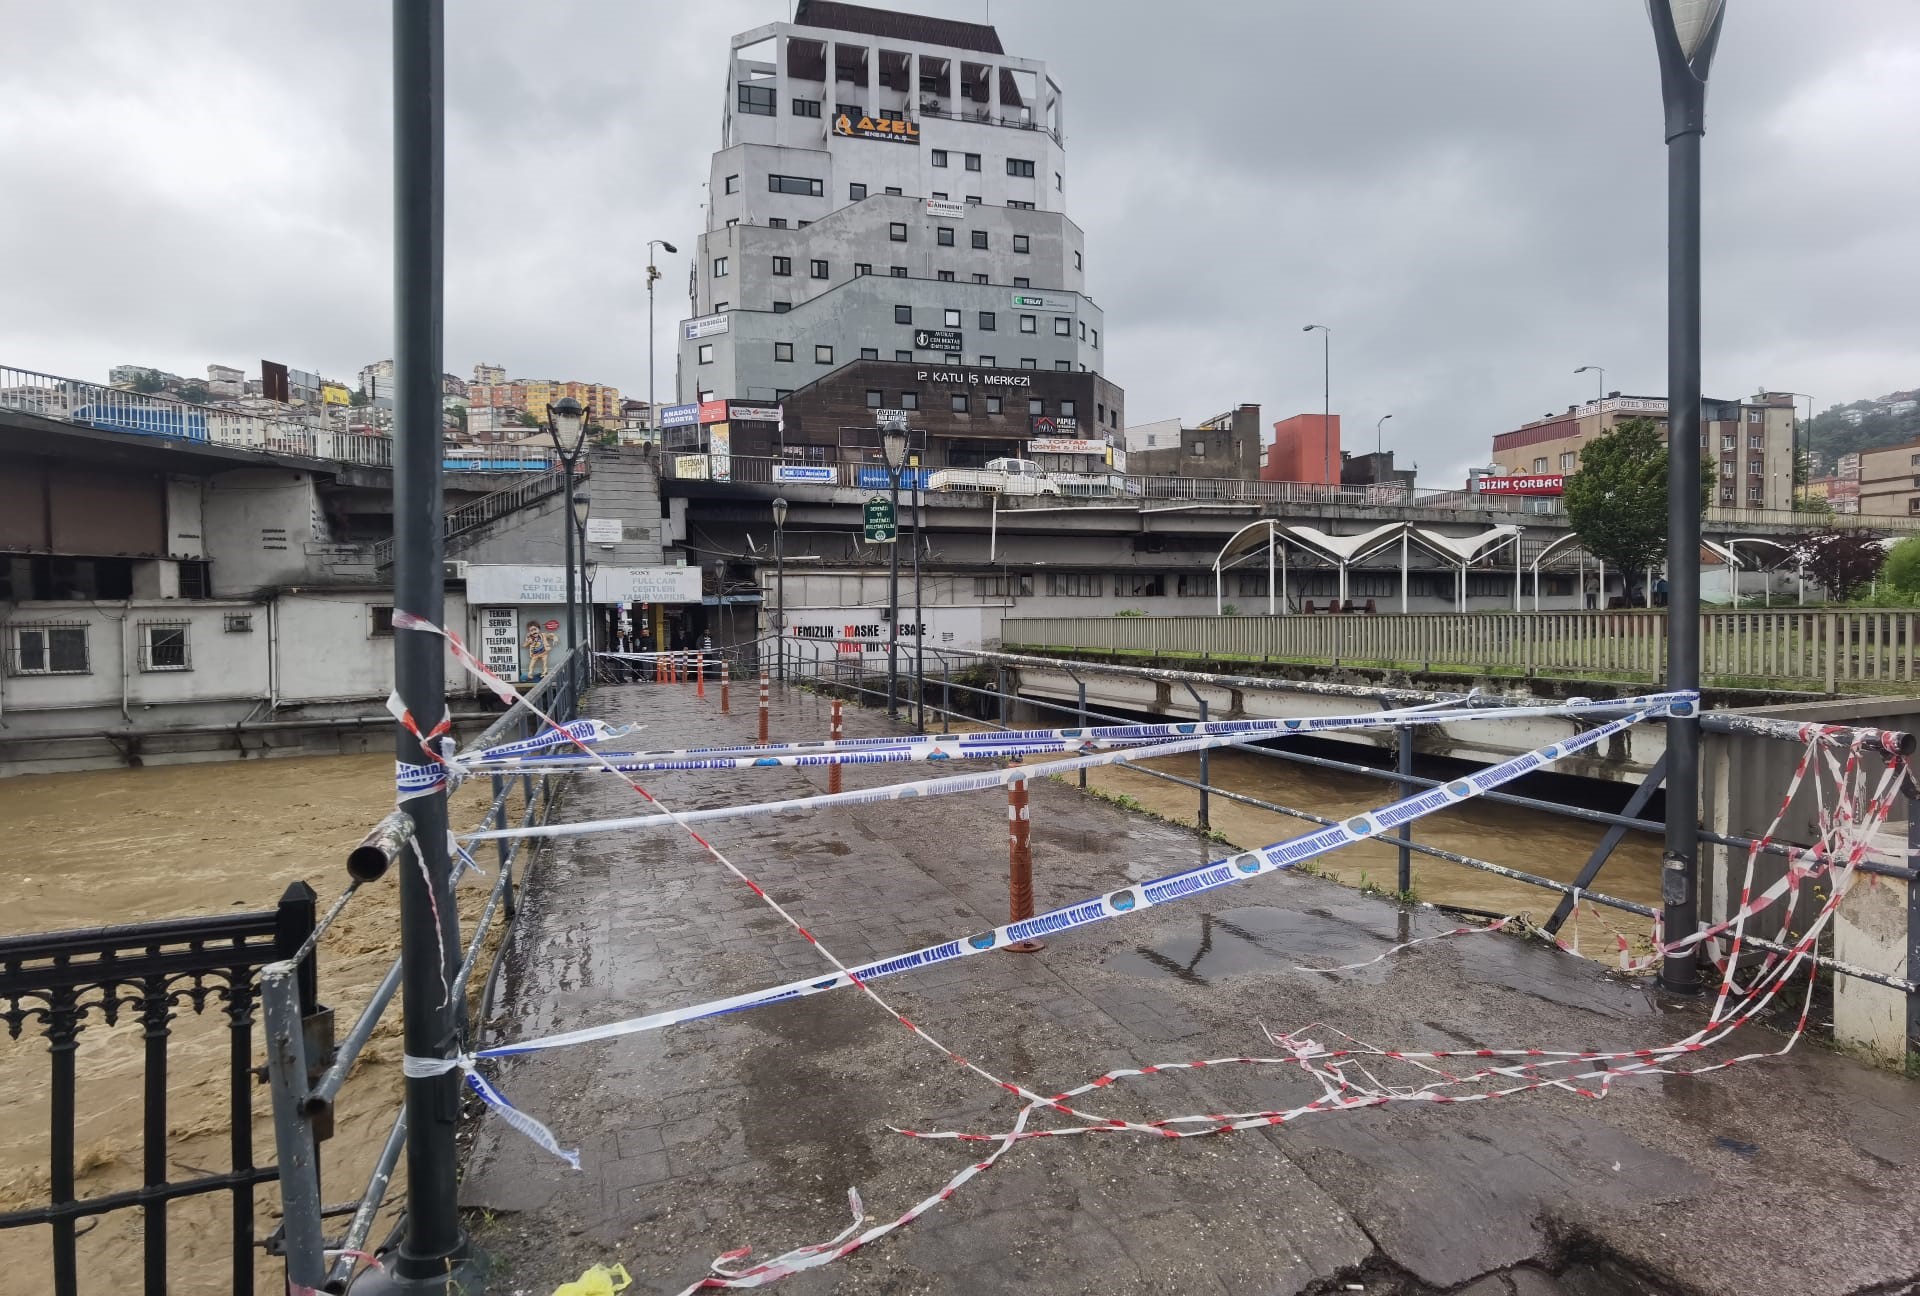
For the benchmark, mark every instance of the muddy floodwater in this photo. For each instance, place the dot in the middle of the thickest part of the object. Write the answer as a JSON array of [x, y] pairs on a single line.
[[121, 846]]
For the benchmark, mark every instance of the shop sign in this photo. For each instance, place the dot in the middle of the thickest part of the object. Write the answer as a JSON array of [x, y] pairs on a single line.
[[690, 467], [605, 530], [881, 417], [738, 413], [1056, 425], [679, 416], [1046, 301], [936, 340], [505, 583], [974, 378], [706, 326], [720, 452], [500, 642], [949, 210], [713, 411], [803, 473], [1552, 484], [646, 585], [1067, 446], [880, 128]]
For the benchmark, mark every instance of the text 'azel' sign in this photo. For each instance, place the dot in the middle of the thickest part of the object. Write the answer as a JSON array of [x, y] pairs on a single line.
[[880, 128]]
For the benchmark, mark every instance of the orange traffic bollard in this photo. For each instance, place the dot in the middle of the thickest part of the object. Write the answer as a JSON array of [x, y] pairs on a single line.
[[1020, 863], [725, 679], [700, 675], [833, 770], [763, 708]]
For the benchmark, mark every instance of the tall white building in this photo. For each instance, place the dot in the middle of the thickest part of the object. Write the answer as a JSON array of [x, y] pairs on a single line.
[[889, 187]]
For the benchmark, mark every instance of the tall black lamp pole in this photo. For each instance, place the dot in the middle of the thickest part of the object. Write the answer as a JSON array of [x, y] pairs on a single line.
[[1684, 34], [567, 425], [893, 444], [780, 585]]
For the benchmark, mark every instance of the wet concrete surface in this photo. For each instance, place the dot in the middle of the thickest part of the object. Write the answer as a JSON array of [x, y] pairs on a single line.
[[1785, 1175]]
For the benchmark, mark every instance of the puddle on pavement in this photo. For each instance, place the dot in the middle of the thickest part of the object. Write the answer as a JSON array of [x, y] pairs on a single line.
[[1253, 938]]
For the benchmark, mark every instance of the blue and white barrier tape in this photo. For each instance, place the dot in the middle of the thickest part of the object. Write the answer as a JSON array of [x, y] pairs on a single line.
[[586, 731], [1142, 895]]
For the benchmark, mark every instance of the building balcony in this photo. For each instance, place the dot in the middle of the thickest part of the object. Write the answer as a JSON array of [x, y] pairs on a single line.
[[983, 115]]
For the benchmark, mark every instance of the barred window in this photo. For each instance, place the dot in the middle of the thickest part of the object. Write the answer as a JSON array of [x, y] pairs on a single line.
[[1010, 585], [1073, 585], [380, 621], [1139, 585], [163, 646], [1195, 584], [49, 648]]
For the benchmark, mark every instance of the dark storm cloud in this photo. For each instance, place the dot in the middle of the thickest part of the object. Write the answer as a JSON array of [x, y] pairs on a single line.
[[1470, 193]]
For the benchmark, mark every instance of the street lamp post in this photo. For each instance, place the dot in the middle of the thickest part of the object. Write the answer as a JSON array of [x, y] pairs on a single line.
[[1326, 398], [919, 613], [780, 586], [653, 277], [582, 506], [1600, 387], [1379, 440], [567, 425], [893, 445], [1684, 35]]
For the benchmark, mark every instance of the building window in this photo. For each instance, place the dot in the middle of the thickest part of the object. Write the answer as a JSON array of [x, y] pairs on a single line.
[[1754, 494], [861, 268], [855, 192], [849, 110], [757, 101], [720, 306], [986, 321], [943, 236], [719, 267], [903, 314], [944, 276], [951, 319], [1064, 366], [1567, 460], [238, 623], [706, 353], [903, 355], [1073, 585], [869, 353], [733, 184], [959, 402], [1068, 409], [1083, 330], [163, 645], [1059, 184], [1020, 167], [1036, 405], [1020, 282], [805, 186], [898, 272], [892, 114], [1028, 362], [939, 157], [1540, 464], [1100, 412], [823, 355], [894, 192], [1755, 468], [938, 196], [1062, 326], [1011, 585], [897, 232], [973, 200], [1197, 449], [1020, 243], [980, 278], [973, 161], [783, 265], [987, 362], [979, 239], [1726, 496], [1029, 324], [49, 649], [776, 222], [953, 359], [1095, 339], [874, 400], [1139, 585], [1017, 205], [804, 224], [993, 404], [783, 352], [1194, 585], [909, 400], [806, 107], [1076, 260], [781, 308], [819, 269]]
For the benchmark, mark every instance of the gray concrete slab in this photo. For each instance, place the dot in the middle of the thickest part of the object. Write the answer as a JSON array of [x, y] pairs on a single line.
[[1780, 1176]]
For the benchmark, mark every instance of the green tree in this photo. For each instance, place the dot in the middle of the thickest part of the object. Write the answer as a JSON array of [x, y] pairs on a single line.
[[1842, 560], [148, 383], [1902, 568], [1617, 502], [195, 392], [357, 399], [528, 420]]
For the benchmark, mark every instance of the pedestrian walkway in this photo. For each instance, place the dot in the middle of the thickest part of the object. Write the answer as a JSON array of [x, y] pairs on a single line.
[[1786, 1176]]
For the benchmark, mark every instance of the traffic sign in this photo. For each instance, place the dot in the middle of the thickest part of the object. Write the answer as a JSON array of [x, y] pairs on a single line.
[[879, 521]]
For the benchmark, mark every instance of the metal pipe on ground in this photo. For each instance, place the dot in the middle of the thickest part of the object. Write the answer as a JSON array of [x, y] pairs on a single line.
[[1020, 862], [834, 732]]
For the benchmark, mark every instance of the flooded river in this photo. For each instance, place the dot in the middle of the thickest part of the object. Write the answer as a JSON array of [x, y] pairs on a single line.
[[118, 846]]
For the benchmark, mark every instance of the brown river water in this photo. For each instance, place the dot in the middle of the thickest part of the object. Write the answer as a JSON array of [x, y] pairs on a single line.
[[118, 846], [115, 846]]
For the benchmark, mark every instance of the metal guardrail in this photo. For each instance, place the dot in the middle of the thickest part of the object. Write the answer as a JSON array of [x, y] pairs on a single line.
[[1107, 490], [62, 982], [1807, 648], [305, 1088]]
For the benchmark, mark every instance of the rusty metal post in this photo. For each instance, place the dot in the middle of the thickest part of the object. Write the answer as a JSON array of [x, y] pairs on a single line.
[[1020, 863], [763, 706], [834, 731], [700, 675], [726, 678]]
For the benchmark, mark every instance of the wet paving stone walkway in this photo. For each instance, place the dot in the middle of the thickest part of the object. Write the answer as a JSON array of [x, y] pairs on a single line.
[[1791, 1175]]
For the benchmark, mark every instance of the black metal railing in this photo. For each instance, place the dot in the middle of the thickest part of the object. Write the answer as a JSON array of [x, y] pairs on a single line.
[[59, 983]]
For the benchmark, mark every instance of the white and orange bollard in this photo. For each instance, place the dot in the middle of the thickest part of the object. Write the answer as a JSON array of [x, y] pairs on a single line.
[[726, 678], [763, 707], [700, 675], [1020, 863], [834, 732]]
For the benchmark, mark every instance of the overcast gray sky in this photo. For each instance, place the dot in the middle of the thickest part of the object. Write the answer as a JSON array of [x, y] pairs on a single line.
[[1469, 192]]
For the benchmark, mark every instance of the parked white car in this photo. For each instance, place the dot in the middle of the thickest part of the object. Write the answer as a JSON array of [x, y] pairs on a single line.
[[1004, 476]]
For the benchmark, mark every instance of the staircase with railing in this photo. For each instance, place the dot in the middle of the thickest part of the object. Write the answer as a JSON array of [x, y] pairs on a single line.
[[468, 518]]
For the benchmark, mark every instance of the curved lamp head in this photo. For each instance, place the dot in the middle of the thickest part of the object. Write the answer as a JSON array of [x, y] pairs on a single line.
[[779, 512], [893, 442], [582, 504], [1308, 328], [567, 424], [1693, 21], [670, 247], [1589, 369]]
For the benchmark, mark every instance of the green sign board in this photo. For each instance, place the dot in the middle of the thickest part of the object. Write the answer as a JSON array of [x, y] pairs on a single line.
[[879, 521]]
